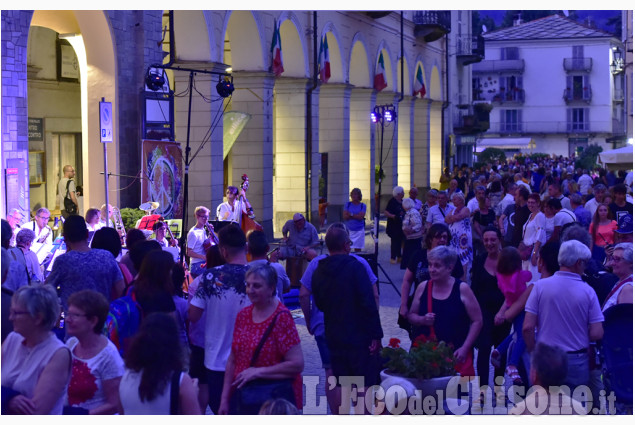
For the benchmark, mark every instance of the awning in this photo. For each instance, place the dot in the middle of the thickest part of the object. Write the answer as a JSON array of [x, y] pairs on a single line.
[[506, 143], [622, 155]]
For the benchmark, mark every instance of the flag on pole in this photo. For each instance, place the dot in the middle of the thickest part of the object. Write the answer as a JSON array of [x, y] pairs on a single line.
[[380, 75], [276, 52], [325, 61], [419, 87]]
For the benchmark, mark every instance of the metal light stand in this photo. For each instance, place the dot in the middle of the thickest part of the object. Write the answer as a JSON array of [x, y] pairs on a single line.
[[183, 238], [378, 117]]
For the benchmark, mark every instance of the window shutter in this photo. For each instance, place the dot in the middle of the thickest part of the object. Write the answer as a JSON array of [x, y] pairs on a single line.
[[585, 111], [519, 118], [519, 81], [569, 119]]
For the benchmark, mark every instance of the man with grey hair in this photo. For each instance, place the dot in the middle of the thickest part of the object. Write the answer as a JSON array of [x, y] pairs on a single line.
[[43, 232], [15, 218], [438, 212], [598, 194], [548, 374], [563, 311], [479, 196], [22, 253]]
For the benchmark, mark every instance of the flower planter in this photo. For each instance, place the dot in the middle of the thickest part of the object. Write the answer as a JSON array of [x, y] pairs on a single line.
[[447, 384]]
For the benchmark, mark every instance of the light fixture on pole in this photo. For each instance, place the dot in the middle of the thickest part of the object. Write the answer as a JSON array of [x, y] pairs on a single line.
[[617, 64], [382, 115]]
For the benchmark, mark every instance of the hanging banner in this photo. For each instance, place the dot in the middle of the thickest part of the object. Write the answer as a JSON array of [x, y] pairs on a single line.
[[162, 180], [233, 124]]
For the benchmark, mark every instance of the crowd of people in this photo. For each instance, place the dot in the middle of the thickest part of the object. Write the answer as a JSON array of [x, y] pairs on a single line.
[[506, 263]]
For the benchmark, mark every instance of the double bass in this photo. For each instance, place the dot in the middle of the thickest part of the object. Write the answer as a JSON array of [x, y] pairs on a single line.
[[247, 222]]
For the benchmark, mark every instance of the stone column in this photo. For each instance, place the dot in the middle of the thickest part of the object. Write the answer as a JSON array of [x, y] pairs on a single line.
[[421, 142], [206, 128], [252, 153], [436, 142], [405, 145], [362, 147], [290, 149], [15, 141], [335, 140]]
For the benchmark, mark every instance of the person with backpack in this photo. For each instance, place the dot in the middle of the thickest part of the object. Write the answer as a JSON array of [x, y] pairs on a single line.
[[67, 190]]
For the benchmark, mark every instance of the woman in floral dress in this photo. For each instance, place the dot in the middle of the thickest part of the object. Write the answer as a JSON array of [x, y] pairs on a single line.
[[461, 229]]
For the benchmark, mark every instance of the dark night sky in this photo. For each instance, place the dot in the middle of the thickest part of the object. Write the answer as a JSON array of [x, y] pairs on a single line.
[[599, 16]]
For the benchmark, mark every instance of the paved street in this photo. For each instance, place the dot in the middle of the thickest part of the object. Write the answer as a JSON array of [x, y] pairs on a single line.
[[389, 306]]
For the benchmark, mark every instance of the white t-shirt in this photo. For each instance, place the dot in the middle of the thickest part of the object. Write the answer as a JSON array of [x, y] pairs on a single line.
[[107, 364], [472, 205], [591, 206], [195, 239], [61, 190], [585, 182], [435, 215], [563, 217], [131, 402], [224, 211]]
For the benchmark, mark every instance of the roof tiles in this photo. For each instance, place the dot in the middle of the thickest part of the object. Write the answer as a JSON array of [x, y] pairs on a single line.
[[550, 27]]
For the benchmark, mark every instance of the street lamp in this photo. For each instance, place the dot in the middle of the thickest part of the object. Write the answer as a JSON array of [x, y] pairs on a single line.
[[382, 115]]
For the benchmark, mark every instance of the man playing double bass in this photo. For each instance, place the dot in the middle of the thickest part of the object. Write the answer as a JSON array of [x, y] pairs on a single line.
[[197, 240], [233, 209]]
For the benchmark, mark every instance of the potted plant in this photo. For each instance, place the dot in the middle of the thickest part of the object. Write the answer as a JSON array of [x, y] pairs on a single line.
[[428, 366]]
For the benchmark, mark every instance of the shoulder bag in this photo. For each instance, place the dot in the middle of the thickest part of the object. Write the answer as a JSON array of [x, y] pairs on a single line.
[[249, 399], [69, 205]]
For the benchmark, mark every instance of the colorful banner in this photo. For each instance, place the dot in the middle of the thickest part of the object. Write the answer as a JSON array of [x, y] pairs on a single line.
[[162, 177]]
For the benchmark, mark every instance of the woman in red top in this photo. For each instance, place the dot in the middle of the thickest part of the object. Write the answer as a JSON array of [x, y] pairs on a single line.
[[601, 230], [280, 356]]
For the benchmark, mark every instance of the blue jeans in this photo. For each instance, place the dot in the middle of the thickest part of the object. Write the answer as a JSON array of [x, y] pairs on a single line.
[[197, 269], [520, 346], [578, 371]]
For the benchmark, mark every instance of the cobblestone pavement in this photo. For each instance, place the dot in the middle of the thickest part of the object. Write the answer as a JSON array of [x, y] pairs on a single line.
[[389, 301]]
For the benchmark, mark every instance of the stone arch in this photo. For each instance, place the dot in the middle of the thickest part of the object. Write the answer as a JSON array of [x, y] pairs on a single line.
[[435, 91], [244, 29], [90, 34], [419, 62], [294, 48], [389, 66], [338, 68], [194, 39], [360, 71]]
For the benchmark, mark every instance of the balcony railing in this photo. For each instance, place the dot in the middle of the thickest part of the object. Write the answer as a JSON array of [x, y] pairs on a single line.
[[618, 126], [554, 127], [471, 120], [491, 66], [470, 49], [515, 95], [431, 24], [618, 95], [577, 64], [578, 94]]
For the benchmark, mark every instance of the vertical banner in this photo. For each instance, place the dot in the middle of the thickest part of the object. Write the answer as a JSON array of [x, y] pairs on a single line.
[[162, 180]]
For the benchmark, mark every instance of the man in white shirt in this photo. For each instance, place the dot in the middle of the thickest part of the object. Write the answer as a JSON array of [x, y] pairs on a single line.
[[473, 204], [196, 241], [555, 192], [518, 179], [15, 218], [69, 173], [507, 200], [561, 217], [585, 182], [437, 213], [598, 195], [43, 233]]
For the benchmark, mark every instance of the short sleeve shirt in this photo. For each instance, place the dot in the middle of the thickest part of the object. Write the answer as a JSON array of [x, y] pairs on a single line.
[[88, 375], [306, 237], [563, 217], [195, 239], [74, 271]]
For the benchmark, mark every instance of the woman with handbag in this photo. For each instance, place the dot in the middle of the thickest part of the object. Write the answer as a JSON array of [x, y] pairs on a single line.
[[266, 357], [444, 308], [154, 382], [35, 364]]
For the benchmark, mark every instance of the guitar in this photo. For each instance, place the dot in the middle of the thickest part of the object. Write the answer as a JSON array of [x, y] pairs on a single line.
[[247, 223]]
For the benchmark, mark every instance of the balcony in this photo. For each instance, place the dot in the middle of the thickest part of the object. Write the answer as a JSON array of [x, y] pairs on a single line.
[[512, 96], [577, 64], [580, 94], [431, 25], [555, 127], [496, 66], [470, 49], [618, 96], [472, 119]]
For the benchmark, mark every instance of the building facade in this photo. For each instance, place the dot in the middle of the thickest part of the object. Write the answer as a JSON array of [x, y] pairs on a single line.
[[304, 139], [552, 86]]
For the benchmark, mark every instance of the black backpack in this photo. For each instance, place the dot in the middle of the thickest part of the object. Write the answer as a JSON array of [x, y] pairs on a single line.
[[69, 205]]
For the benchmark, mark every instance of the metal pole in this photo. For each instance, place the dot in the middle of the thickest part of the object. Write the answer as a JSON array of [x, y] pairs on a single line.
[[187, 171], [105, 173], [380, 117]]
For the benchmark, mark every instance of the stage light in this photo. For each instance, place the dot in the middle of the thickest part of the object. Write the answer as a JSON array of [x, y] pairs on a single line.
[[373, 117], [155, 79], [389, 115], [225, 87]]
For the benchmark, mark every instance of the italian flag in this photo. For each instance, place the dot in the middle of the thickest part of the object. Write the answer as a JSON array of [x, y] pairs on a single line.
[[380, 75], [325, 61], [419, 87], [276, 52]]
